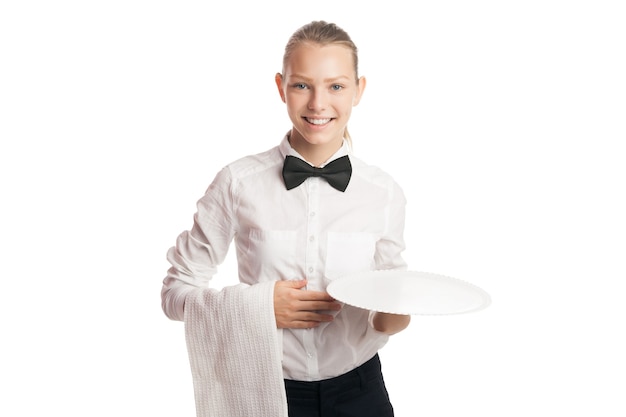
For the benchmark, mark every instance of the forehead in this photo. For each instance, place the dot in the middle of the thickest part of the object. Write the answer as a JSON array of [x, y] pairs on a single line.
[[314, 59]]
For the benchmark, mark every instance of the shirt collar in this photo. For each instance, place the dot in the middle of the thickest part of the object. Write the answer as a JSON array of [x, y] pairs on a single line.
[[286, 149]]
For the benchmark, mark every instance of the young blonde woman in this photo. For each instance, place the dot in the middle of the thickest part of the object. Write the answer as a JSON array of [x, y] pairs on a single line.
[[300, 215]]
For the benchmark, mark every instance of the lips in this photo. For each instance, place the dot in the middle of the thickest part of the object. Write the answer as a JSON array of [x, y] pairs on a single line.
[[317, 121]]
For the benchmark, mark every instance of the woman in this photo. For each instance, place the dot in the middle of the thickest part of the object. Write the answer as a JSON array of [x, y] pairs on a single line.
[[295, 228]]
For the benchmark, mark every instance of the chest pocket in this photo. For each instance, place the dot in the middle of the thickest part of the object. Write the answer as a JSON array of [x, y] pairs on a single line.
[[349, 252], [271, 253]]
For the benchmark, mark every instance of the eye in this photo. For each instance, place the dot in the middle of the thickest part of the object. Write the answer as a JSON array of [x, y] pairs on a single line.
[[299, 86], [336, 87]]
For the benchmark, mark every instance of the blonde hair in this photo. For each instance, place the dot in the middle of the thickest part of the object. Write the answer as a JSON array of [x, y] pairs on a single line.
[[323, 33]]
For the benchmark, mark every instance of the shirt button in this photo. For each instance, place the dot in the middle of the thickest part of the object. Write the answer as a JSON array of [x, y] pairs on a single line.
[[311, 238], [311, 269], [312, 214]]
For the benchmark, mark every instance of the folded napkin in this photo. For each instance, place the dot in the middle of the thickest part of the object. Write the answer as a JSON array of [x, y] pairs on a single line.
[[235, 352]]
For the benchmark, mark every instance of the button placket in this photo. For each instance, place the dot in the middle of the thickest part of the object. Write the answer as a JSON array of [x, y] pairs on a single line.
[[311, 264], [312, 249]]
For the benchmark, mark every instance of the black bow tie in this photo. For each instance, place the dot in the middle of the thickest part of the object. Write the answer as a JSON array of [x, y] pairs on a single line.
[[337, 172]]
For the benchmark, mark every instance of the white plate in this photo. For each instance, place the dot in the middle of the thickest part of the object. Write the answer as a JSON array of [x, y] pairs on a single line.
[[408, 292]]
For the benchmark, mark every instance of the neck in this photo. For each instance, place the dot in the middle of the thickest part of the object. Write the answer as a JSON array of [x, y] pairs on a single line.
[[315, 154]]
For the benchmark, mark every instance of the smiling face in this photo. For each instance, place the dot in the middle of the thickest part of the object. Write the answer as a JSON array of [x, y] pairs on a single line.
[[319, 87]]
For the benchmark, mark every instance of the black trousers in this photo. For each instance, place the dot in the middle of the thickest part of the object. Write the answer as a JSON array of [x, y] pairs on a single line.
[[358, 393]]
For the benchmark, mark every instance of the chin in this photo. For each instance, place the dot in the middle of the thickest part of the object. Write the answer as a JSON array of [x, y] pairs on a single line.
[[322, 138]]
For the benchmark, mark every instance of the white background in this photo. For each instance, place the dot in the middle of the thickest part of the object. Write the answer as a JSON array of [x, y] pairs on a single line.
[[504, 121]]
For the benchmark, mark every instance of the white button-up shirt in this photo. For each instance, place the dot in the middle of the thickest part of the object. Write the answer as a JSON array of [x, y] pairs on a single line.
[[312, 231]]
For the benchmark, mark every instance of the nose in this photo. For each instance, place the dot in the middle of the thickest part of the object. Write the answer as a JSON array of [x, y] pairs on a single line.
[[317, 100]]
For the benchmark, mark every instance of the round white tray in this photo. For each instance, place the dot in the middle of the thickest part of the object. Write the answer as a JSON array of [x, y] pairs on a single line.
[[408, 292]]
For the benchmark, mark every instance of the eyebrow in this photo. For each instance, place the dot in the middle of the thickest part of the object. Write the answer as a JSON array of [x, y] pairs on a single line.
[[326, 80]]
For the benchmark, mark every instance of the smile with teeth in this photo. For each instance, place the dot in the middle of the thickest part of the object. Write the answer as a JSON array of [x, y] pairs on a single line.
[[317, 121]]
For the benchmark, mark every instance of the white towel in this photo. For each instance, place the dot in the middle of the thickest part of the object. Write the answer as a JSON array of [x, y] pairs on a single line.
[[235, 352]]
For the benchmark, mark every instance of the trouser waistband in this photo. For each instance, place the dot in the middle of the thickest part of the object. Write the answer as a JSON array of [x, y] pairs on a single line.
[[366, 372]]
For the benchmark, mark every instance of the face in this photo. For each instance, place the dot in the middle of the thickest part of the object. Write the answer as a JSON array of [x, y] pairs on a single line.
[[319, 88]]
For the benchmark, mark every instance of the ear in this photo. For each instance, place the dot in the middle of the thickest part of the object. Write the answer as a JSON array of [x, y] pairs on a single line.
[[359, 91], [279, 83]]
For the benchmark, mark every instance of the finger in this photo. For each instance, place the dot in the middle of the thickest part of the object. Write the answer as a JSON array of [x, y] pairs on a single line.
[[313, 316], [310, 320], [315, 296], [304, 305], [297, 284], [303, 325]]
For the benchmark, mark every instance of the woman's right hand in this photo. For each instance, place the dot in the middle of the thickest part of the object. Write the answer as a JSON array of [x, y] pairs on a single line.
[[295, 308]]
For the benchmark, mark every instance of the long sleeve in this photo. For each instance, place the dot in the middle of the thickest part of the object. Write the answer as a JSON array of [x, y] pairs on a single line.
[[391, 245], [199, 251]]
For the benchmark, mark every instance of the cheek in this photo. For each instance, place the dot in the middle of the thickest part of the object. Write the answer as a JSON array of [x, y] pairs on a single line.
[[347, 107], [295, 101]]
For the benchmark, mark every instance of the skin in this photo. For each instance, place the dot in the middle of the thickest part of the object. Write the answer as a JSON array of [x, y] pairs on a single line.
[[319, 84]]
